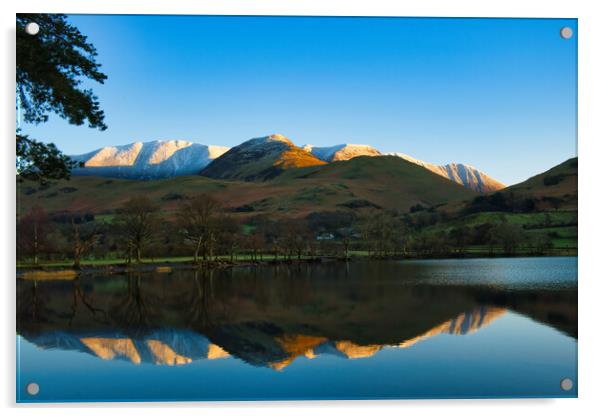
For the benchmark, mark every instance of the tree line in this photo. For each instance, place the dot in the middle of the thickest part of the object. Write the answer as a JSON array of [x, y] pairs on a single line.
[[203, 229]]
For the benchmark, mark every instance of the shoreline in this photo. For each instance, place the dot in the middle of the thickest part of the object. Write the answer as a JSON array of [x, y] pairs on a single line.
[[43, 272]]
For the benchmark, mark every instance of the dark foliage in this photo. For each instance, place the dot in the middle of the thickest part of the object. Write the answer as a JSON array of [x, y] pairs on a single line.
[[489, 203], [173, 196], [330, 221], [244, 208], [41, 162], [422, 219], [554, 202], [359, 203], [68, 189], [501, 202], [481, 234], [69, 217], [51, 67], [553, 179], [416, 208]]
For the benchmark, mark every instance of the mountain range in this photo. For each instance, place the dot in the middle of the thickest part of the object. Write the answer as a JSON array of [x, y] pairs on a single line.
[[171, 346], [257, 159]]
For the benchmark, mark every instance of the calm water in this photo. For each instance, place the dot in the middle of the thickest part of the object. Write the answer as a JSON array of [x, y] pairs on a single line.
[[390, 329]]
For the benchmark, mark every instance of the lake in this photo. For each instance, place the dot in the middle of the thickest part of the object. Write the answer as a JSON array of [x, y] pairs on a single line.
[[468, 328]]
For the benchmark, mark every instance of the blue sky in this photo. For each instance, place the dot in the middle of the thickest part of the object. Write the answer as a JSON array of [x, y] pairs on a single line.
[[499, 94]]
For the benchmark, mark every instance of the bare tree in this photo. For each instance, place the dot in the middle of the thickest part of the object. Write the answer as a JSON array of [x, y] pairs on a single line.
[[510, 237], [137, 222], [380, 232], [32, 232], [85, 237], [460, 238], [229, 234], [295, 237], [198, 221], [255, 243]]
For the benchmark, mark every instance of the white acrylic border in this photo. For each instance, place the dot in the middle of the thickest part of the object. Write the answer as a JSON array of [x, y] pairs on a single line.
[[590, 66]]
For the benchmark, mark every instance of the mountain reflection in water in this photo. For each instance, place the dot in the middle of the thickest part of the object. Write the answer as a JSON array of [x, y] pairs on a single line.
[[181, 346], [269, 316]]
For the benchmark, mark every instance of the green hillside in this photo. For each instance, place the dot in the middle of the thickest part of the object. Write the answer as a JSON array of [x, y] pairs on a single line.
[[379, 206], [554, 189], [359, 184], [387, 181], [544, 207]]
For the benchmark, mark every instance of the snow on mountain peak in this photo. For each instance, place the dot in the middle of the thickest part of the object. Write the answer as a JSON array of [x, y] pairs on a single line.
[[216, 151], [278, 137], [460, 173], [160, 150], [112, 155], [167, 158], [272, 138], [149, 160], [341, 151]]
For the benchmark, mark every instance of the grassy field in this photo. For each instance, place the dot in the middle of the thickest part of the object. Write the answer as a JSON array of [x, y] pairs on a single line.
[[471, 251], [560, 226], [526, 220], [157, 260], [106, 262]]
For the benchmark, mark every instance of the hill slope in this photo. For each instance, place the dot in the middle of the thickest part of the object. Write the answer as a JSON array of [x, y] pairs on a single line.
[[555, 188], [362, 183], [385, 181], [260, 159], [256, 159]]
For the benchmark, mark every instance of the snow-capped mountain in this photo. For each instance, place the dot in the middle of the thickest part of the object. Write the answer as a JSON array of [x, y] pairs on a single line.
[[150, 160], [461, 173], [159, 347], [341, 151], [260, 158], [255, 343]]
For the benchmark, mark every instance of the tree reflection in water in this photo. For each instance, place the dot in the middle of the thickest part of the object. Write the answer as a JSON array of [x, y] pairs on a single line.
[[268, 316]]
